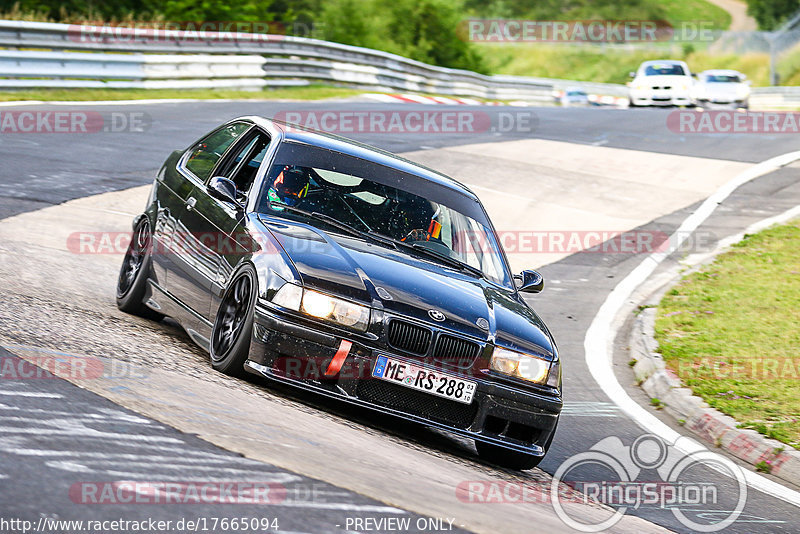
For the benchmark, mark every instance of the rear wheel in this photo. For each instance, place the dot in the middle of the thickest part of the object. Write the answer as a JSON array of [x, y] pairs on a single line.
[[230, 337], [132, 281]]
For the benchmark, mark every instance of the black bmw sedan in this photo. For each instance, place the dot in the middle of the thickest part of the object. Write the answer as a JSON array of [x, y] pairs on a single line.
[[346, 270]]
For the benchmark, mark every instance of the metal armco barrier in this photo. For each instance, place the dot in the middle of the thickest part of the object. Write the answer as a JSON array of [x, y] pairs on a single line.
[[286, 60], [64, 55]]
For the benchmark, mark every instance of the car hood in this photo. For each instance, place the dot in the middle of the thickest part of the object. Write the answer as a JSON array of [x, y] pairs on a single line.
[[671, 80], [410, 286], [721, 89]]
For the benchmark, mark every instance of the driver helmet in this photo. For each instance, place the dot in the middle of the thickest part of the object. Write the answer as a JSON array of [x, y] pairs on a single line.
[[291, 183]]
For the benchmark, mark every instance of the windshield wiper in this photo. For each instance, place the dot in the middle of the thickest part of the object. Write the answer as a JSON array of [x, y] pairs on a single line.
[[324, 218], [384, 239], [336, 223], [447, 259], [442, 258]]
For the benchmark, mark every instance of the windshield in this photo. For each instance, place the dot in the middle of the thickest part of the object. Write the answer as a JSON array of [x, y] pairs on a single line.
[[723, 78], [664, 70], [383, 202]]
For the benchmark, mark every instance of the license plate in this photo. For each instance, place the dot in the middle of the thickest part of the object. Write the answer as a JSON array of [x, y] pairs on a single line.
[[423, 379]]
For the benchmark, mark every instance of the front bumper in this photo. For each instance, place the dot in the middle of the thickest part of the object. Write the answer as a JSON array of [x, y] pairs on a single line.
[[501, 413], [643, 97], [720, 103]]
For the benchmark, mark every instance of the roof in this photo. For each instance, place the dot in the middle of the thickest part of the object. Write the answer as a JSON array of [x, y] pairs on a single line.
[[726, 72], [298, 134], [672, 61]]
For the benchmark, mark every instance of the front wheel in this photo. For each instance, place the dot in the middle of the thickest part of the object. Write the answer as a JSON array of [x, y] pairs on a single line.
[[230, 337], [132, 280]]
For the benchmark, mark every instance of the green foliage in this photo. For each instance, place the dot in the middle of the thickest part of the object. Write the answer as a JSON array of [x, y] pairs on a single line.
[[428, 31], [215, 10], [674, 11], [424, 30], [771, 13], [764, 467]]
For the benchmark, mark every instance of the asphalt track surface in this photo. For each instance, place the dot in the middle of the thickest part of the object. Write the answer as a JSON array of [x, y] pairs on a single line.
[[42, 170]]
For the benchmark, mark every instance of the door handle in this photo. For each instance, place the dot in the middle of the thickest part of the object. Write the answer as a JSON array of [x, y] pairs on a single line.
[[190, 203]]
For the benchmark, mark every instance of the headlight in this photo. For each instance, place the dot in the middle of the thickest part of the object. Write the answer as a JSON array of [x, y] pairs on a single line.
[[742, 92], [526, 366], [323, 306], [289, 296]]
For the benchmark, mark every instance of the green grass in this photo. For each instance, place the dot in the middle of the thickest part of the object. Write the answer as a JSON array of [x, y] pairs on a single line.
[[311, 92], [789, 67], [730, 332], [597, 64], [696, 11]]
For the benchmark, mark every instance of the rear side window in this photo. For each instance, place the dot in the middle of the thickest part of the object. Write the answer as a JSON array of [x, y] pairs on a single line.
[[205, 154]]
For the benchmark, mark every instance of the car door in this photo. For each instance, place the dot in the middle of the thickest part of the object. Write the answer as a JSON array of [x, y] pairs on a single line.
[[194, 261], [171, 189], [224, 219]]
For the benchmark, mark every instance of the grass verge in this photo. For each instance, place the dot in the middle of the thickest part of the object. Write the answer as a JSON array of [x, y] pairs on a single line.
[[730, 332], [310, 92], [597, 64]]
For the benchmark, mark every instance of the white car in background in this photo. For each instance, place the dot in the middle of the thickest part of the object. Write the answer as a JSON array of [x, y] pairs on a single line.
[[721, 89], [663, 82]]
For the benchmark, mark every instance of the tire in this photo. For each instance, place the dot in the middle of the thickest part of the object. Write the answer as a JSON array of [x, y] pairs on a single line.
[[233, 326], [132, 279], [511, 459]]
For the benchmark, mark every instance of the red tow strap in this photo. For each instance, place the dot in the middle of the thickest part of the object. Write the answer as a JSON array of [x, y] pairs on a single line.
[[338, 360]]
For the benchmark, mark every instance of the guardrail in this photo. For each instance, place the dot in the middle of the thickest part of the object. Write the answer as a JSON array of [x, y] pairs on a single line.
[[775, 98], [65, 55], [286, 60]]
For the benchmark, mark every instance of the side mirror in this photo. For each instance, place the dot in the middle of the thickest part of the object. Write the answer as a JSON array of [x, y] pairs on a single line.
[[529, 282], [223, 189], [632, 74]]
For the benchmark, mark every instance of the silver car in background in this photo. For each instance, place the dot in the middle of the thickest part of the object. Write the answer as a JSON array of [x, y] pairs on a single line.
[[721, 89], [574, 97]]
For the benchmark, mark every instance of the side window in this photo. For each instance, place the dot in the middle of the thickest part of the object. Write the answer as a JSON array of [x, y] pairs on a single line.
[[245, 159], [205, 154]]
